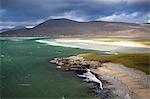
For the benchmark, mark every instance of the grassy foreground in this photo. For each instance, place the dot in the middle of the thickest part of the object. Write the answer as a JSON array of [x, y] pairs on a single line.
[[136, 61]]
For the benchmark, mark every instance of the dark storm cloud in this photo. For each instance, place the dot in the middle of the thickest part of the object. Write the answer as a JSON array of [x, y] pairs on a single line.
[[27, 12]]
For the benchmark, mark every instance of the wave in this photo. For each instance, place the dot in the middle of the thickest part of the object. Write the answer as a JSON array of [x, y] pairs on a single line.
[[15, 39], [91, 77], [10, 39], [56, 44]]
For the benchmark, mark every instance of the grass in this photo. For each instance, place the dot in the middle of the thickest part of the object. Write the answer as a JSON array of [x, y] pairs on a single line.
[[118, 40], [137, 61]]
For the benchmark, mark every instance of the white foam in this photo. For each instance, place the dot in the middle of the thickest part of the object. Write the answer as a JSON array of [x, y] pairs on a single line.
[[56, 44], [17, 38], [91, 77]]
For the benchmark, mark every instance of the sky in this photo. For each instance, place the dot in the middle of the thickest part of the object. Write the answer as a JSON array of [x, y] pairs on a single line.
[[32, 12]]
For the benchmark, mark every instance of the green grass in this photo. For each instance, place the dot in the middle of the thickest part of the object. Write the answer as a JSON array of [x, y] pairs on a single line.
[[137, 61], [120, 40]]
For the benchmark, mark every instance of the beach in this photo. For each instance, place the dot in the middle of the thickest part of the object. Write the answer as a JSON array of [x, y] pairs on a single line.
[[124, 46], [127, 82], [99, 41], [122, 82]]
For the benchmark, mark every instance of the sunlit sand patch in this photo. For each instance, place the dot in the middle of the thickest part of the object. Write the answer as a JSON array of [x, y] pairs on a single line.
[[110, 46], [124, 43]]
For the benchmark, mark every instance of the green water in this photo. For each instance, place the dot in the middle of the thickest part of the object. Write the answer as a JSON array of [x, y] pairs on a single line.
[[26, 72]]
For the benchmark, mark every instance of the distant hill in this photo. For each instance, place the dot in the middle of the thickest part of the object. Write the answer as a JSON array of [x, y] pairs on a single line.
[[4, 30], [10, 29], [65, 27], [18, 27]]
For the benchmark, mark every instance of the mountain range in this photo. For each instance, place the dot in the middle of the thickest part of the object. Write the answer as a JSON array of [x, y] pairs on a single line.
[[66, 27]]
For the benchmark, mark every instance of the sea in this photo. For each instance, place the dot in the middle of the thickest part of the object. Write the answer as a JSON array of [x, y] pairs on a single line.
[[26, 72]]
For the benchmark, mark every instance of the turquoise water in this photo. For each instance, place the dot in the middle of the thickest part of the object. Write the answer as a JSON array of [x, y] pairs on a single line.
[[26, 72]]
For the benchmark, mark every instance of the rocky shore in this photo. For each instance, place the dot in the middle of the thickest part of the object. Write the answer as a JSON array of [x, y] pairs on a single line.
[[107, 80], [74, 63]]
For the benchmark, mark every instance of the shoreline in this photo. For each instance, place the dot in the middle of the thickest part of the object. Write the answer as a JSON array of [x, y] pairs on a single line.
[[108, 47], [103, 42], [117, 80], [71, 64], [127, 81]]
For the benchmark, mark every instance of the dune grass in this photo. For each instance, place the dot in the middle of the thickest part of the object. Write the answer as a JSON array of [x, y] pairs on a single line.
[[137, 61], [126, 40]]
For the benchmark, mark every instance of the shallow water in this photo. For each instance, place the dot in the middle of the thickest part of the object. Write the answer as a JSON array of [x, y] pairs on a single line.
[[26, 72]]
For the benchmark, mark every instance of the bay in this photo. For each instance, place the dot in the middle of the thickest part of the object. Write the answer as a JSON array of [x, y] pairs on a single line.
[[27, 73]]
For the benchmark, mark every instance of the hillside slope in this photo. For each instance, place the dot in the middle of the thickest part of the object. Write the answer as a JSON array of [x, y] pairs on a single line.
[[65, 27]]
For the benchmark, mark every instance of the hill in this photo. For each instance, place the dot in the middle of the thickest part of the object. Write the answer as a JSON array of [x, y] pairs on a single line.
[[66, 27]]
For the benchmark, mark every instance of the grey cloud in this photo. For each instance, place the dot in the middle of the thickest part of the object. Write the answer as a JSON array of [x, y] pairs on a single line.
[[21, 11]]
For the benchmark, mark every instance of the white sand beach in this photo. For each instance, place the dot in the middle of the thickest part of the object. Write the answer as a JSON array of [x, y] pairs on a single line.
[[93, 44], [121, 43]]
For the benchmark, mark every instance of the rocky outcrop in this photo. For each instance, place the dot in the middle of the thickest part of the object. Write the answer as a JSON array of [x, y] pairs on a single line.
[[97, 86], [112, 80], [75, 63]]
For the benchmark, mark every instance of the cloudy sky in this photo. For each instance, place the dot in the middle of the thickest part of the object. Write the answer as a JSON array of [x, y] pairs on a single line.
[[32, 12]]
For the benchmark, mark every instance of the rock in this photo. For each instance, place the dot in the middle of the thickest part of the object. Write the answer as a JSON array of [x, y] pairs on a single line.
[[75, 61], [52, 61], [60, 63], [82, 68], [59, 67]]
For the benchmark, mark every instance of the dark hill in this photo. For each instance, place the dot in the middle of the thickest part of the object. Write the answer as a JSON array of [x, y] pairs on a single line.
[[65, 27]]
